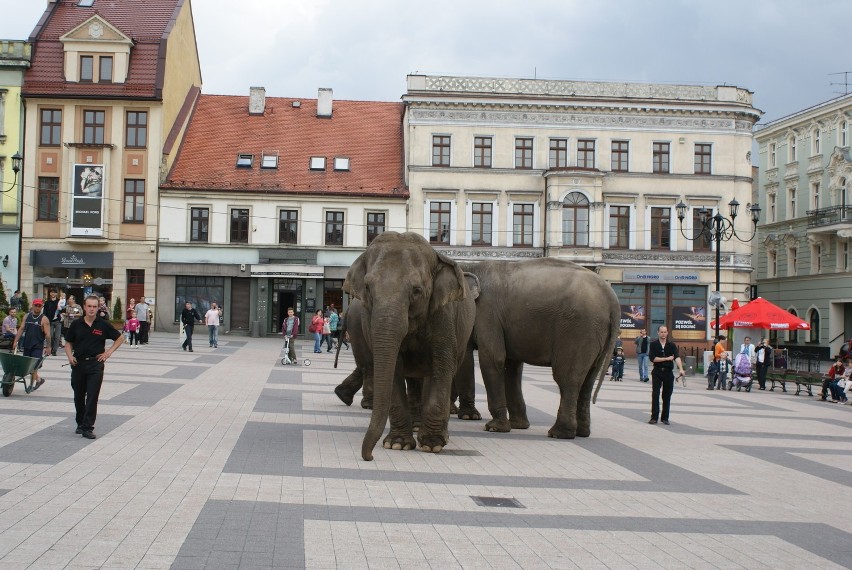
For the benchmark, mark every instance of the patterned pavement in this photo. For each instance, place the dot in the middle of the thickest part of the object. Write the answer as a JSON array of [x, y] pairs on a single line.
[[224, 458]]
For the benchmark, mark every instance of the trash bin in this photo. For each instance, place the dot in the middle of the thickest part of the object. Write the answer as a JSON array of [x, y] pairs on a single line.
[[689, 364], [255, 329]]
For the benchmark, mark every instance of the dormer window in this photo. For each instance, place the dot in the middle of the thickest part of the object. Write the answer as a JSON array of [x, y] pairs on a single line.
[[317, 163], [245, 160], [269, 161], [87, 68], [85, 3], [105, 75], [341, 163], [96, 52]]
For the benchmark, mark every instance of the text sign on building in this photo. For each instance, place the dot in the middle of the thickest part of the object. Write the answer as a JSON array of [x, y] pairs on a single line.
[[655, 276], [71, 259], [87, 200]]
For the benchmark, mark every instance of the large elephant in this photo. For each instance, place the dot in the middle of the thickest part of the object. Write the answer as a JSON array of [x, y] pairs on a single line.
[[544, 312], [416, 318]]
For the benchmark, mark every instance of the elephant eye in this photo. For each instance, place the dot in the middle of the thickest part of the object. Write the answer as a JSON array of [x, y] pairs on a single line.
[[417, 291]]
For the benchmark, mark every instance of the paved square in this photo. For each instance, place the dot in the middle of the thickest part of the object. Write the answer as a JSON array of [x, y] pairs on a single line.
[[227, 459]]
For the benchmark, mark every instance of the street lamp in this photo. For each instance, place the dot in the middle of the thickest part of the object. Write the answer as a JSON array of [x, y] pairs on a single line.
[[719, 228], [16, 168]]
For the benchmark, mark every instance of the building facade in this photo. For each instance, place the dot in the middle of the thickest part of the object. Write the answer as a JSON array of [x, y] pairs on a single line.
[[270, 202], [107, 99], [805, 179], [589, 172]]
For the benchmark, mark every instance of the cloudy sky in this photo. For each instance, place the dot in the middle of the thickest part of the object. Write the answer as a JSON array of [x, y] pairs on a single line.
[[784, 50]]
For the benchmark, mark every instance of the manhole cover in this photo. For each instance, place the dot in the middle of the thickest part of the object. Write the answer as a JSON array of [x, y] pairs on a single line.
[[497, 502]]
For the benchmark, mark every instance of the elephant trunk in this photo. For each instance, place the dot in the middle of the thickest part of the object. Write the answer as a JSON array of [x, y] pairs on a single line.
[[386, 341]]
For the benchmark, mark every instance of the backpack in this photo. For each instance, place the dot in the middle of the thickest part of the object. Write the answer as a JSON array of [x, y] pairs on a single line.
[[742, 367]]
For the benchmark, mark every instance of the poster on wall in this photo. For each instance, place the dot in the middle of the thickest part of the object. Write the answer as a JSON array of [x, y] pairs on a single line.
[[87, 200], [632, 317], [690, 322]]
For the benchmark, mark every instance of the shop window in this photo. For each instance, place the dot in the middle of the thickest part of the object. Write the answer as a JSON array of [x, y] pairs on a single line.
[[200, 291]]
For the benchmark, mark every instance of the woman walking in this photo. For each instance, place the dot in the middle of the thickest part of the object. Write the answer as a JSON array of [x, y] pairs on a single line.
[[316, 329]]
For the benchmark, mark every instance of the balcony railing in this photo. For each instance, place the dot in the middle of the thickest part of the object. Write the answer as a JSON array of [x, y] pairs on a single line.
[[829, 216]]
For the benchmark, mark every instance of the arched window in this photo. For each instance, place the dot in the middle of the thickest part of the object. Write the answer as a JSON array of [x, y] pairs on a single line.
[[793, 335], [575, 220], [814, 322]]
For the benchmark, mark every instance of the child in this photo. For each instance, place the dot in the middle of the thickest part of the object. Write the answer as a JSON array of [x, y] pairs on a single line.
[[132, 326], [618, 365], [724, 367]]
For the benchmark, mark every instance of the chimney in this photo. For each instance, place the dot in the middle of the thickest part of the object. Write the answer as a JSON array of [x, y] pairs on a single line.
[[257, 100], [324, 102]]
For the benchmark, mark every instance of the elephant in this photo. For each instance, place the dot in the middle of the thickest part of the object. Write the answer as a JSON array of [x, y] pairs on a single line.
[[544, 312], [416, 316]]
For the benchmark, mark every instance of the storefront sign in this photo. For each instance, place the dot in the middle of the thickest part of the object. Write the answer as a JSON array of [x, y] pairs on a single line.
[[45, 258], [87, 200], [291, 271], [632, 317], [656, 276]]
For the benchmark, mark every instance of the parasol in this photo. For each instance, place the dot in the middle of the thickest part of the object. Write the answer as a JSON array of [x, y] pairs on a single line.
[[761, 314]]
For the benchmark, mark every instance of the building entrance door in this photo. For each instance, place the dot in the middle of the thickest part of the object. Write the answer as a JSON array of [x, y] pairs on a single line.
[[240, 303], [285, 299]]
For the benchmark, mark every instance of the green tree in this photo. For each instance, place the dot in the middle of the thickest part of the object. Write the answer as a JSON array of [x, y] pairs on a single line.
[[25, 303], [117, 315]]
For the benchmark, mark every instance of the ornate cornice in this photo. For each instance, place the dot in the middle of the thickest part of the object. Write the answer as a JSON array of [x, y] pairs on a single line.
[[680, 258], [482, 253]]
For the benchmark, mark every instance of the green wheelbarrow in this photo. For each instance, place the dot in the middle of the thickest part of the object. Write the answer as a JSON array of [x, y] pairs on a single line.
[[16, 368]]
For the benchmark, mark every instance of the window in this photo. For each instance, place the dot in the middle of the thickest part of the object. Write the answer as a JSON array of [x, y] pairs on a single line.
[[792, 261], [245, 160], [439, 222], [793, 335], [619, 227], [815, 195], [269, 161], [482, 152], [317, 163], [48, 199], [239, 225], [660, 228], [375, 225], [334, 228], [815, 137], [702, 158], [440, 150], [816, 258], [575, 220], [661, 158], [585, 153], [772, 201], [701, 239], [843, 256], [772, 155], [843, 139], [791, 195], [288, 226], [105, 69], [522, 224], [198, 219], [87, 68], [791, 145], [134, 201], [200, 291], [558, 153], [814, 322], [523, 153], [341, 163], [771, 264], [93, 127], [620, 154], [481, 220], [51, 127], [137, 129], [85, 3]]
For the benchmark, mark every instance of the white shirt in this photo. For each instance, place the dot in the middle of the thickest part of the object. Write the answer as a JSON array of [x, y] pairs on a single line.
[[211, 317]]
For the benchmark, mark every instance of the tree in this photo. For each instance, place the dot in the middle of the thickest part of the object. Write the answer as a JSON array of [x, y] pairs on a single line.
[[117, 315], [25, 303]]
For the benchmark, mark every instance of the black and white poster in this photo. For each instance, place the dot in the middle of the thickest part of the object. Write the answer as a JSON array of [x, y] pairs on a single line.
[[87, 201]]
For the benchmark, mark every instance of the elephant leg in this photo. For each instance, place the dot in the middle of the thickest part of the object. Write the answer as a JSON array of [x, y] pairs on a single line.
[[367, 390], [400, 436], [492, 364], [464, 386], [434, 433], [584, 405], [347, 389], [569, 382], [514, 396], [415, 400]]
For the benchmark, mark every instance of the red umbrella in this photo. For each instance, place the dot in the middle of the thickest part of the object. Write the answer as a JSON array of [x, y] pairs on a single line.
[[761, 314], [735, 304]]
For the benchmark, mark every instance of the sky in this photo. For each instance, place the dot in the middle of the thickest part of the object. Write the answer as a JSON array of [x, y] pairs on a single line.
[[785, 51]]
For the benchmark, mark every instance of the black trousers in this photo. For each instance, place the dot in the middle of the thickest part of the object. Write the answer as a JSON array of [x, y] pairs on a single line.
[[761, 374], [188, 330], [86, 380], [144, 327], [661, 378]]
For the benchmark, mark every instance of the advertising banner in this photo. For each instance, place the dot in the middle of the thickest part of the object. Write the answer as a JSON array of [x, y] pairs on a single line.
[[632, 317], [87, 201], [690, 322]]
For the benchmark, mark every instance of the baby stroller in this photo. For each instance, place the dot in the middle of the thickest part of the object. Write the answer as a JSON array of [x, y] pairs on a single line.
[[742, 373], [286, 360], [617, 364]]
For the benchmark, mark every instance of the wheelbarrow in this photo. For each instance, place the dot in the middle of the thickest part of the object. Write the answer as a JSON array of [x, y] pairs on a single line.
[[16, 368]]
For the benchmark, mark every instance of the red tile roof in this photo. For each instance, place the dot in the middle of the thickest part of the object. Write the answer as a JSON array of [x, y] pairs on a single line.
[[147, 22], [369, 133]]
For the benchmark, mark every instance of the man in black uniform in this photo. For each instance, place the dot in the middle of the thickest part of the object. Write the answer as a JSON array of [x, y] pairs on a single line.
[[663, 355], [188, 317], [85, 346]]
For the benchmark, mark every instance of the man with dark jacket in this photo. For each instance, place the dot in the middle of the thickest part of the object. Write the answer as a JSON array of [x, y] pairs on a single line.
[[51, 311], [188, 317]]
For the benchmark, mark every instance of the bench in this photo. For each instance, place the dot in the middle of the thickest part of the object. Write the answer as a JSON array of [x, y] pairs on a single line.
[[781, 376], [804, 380]]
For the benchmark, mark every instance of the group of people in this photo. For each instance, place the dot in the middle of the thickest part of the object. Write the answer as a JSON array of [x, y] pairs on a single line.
[[748, 359], [326, 326], [837, 381], [137, 322], [190, 315]]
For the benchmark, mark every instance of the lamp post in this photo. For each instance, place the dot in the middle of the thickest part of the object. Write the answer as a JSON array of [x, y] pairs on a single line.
[[16, 168], [719, 229]]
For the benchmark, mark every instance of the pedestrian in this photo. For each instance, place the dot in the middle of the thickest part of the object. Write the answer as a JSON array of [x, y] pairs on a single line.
[[71, 312], [643, 344], [143, 313], [333, 325], [85, 347], [211, 317], [663, 355], [763, 357], [51, 311], [618, 344], [289, 330], [16, 302], [326, 332], [831, 383], [103, 310], [10, 324], [132, 328], [187, 318], [131, 306], [748, 347], [618, 365], [34, 338], [316, 329], [719, 351]]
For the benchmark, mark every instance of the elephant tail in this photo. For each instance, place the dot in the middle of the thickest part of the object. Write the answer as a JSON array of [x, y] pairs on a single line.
[[604, 357]]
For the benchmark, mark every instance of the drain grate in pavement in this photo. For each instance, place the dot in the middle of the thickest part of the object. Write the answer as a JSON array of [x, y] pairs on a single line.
[[461, 452], [497, 502]]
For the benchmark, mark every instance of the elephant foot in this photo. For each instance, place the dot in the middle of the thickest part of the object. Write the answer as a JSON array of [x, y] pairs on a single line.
[[584, 431], [454, 409], [432, 443], [345, 396], [501, 426], [519, 423], [468, 414], [399, 442], [366, 404], [560, 432]]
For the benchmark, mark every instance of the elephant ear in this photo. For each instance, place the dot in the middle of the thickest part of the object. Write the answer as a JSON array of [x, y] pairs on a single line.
[[472, 284], [448, 283], [354, 282]]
